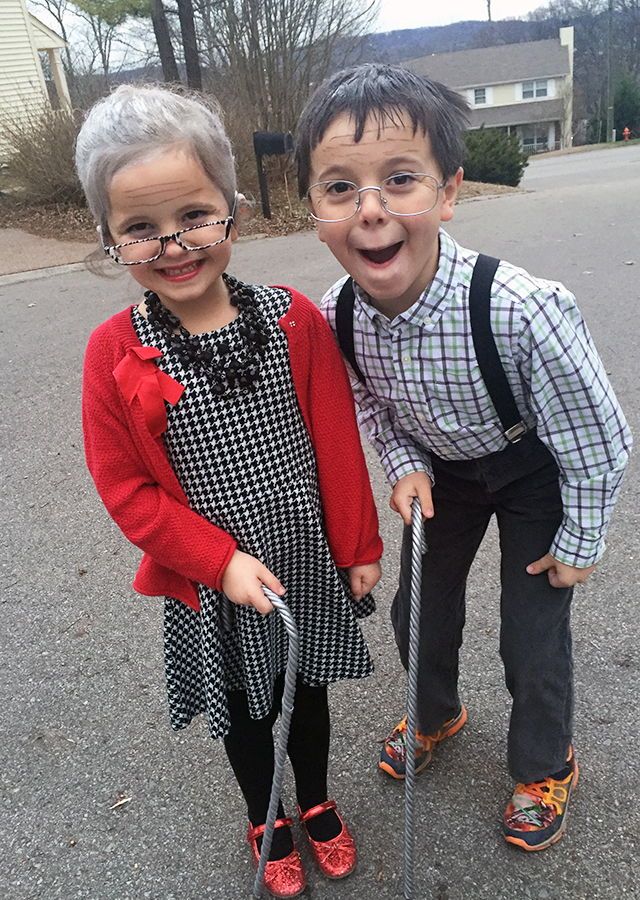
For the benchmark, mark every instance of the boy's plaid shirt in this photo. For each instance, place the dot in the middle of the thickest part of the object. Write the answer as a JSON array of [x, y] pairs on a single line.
[[424, 390]]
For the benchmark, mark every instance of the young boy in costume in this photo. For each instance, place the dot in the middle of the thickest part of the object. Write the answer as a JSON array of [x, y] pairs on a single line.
[[481, 389]]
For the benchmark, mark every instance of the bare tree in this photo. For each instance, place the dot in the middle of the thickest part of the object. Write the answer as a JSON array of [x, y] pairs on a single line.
[[273, 50], [163, 40], [189, 44], [626, 36], [105, 18]]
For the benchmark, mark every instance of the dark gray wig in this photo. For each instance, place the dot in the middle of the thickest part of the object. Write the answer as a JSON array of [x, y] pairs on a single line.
[[385, 93]]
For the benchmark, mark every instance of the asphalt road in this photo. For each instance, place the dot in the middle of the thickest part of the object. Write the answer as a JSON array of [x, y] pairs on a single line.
[[84, 721]]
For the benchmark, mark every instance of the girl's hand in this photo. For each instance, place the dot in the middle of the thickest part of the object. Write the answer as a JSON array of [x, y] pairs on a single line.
[[363, 579], [243, 579], [417, 484]]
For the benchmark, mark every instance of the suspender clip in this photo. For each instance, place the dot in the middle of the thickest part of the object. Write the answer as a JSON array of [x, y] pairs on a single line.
[[516, 433]]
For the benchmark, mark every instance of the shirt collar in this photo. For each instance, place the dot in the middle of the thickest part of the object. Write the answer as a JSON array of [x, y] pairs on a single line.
[[433, 300]]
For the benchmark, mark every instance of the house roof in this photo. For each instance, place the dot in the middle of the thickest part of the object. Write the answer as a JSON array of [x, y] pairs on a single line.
[[495, 65], [43, 37], [517, 114]]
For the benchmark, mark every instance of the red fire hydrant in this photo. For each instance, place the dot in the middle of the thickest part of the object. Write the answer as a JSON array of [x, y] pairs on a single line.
[[626, 133]]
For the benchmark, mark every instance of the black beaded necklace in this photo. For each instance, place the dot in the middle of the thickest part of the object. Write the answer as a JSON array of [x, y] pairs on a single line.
[[226, 370]]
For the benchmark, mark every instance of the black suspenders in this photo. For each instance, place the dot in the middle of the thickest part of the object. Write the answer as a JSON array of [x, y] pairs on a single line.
[[344, 326], [483, 342]]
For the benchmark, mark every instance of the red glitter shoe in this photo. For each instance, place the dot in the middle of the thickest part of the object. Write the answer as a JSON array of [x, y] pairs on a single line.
[[337, 857], [282, 877]]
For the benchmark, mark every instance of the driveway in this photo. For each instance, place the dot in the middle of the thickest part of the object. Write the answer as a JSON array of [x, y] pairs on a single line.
[[101, 801]]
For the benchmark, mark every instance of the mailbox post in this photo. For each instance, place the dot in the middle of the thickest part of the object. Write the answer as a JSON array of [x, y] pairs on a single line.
[[269, 143]]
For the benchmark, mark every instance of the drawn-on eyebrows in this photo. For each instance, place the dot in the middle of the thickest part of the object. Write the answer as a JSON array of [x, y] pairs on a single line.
[[344, 170], [159, 192]]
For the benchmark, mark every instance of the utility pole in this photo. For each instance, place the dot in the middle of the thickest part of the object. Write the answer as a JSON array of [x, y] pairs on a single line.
[[609, 136], [488, 10]]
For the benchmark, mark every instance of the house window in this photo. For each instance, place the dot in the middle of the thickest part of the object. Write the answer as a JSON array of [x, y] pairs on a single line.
[[479, 96], [531, 89], [534, 138]]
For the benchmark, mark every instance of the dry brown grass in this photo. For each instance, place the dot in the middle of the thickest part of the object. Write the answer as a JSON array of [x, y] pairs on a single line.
[[68, 222]]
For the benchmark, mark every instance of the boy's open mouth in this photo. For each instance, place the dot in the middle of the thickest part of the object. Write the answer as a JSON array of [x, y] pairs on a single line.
[[386, 254]]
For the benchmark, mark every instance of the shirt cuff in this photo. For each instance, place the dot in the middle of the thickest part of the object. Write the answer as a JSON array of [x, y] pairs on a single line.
[[404, 460], [574, 547]]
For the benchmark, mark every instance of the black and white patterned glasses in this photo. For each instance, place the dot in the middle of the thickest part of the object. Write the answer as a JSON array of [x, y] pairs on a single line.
[[146, 250], [402, 194]]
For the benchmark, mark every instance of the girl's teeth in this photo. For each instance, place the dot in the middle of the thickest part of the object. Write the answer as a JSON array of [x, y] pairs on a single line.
[[183, 271]]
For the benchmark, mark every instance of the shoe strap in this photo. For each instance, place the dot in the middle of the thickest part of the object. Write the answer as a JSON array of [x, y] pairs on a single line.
[[257, 831], [316, 810]]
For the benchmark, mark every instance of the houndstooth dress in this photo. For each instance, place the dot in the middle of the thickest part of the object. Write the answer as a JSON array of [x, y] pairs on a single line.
[[246, 463]]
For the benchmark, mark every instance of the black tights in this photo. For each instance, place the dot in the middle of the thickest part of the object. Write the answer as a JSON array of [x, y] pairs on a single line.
[[249, 746]]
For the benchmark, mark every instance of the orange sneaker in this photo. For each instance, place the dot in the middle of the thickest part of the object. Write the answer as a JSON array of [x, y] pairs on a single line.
[[536, 815], [394, 751]]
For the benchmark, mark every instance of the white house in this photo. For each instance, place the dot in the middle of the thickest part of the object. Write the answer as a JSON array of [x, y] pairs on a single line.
[[22, 84], [524, 88]]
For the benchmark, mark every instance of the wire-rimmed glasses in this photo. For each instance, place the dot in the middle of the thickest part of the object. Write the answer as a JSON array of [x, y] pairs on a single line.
[[402, 194], [146, 250]]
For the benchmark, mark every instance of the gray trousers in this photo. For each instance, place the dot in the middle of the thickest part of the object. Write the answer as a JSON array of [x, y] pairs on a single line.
[[535, 636]]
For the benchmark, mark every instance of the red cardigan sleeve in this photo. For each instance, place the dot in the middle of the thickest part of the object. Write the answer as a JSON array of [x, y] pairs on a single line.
[[351, 519], [159, 523]]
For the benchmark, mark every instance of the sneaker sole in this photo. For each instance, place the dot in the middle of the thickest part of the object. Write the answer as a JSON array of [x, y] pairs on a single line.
[[519, 842], [388, 769]]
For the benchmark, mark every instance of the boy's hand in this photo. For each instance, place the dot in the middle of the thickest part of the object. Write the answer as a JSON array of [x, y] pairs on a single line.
[[243, 579], [417, 484], [560, 575], [363, 579]]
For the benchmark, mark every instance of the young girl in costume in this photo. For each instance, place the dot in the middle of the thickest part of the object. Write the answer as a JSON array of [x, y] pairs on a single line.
[[220, 433]]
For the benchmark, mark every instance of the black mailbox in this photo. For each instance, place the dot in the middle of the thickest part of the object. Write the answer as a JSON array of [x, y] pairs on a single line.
[[269, 143], [272, 143]]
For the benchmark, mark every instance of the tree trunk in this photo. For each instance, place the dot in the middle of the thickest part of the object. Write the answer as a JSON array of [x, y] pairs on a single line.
[[191, 58], [488, 10], [163, 40]]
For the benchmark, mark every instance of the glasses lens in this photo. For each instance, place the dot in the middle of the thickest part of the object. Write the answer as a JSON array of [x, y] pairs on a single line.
[[409, 194], [203, 235], [332, 201], [138, 251]]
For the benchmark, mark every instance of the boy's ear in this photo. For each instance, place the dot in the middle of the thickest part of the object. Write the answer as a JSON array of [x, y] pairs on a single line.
[[450, 194]]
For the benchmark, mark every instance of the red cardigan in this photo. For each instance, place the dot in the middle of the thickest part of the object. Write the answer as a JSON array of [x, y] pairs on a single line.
[[123, 414]]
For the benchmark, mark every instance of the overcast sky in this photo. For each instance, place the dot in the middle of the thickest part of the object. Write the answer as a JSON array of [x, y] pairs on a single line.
[[396, 14]]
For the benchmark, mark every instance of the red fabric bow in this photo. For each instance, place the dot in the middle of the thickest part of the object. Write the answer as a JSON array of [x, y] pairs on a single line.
[[138, 376]]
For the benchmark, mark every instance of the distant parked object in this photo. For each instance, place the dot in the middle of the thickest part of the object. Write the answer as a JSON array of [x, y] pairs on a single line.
[[23, 90], [524, 89]]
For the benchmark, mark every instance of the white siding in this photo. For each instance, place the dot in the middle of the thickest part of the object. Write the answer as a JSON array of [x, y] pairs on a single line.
[[22, 86]]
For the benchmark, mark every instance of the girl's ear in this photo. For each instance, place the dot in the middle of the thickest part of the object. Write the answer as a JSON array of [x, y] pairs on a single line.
[[243, 209]]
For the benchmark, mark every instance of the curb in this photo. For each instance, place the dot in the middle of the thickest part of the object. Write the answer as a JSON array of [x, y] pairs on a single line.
[[38, 274], [52, 271]]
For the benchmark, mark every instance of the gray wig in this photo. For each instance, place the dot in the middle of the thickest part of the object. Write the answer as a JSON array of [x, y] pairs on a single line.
[[134, 123]]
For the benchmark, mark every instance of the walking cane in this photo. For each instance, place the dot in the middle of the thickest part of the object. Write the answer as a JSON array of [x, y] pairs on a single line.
[[418, 548], [280, 754]]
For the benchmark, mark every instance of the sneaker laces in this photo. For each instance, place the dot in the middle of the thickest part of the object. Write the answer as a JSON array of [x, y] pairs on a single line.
[[397, 740], [546, 792]]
